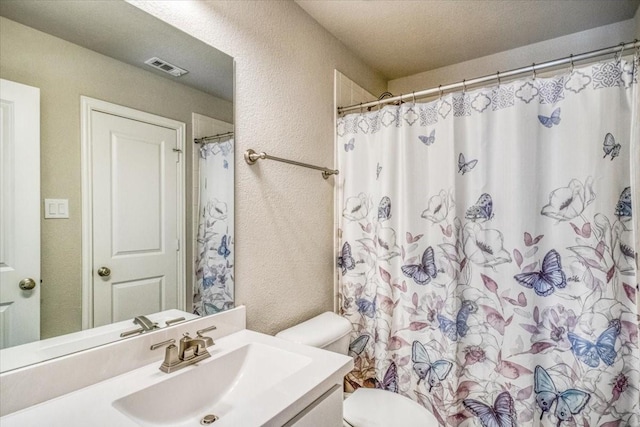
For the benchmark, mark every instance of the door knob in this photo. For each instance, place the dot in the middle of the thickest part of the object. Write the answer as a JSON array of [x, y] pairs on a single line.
[[104, 272], [27, 284]]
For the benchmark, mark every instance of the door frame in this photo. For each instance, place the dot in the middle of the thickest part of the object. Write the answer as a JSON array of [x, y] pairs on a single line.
[[87, 106]]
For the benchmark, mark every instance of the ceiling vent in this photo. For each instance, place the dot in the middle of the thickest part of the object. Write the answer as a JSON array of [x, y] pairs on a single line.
[[163, 65]]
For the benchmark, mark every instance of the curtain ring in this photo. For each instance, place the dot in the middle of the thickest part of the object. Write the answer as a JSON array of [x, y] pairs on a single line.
[[440, 91], [571, 62], [498, 76], [414, 97], [618, 55], [361, 108], [533, 68], [464, 85]]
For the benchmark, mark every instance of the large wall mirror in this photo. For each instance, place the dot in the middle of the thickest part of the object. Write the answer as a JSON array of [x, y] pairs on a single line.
[[128, 182]]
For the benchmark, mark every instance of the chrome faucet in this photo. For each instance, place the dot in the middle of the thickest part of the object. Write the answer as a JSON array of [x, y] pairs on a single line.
[[189, 351]]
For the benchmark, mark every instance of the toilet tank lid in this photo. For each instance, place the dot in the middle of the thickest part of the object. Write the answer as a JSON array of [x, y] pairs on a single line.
[[318, 331]]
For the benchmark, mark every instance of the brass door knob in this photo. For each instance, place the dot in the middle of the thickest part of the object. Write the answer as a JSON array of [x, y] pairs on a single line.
[[27, 284], [104, 272]]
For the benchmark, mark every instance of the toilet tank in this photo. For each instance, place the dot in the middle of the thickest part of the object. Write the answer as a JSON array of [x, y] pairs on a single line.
[[328, 331]]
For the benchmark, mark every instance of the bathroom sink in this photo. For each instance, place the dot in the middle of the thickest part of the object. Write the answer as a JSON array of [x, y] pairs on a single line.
[[214, 387], [251, 379]]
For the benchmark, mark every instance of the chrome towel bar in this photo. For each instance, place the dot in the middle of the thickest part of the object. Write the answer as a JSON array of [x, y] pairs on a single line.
[[251, 157]]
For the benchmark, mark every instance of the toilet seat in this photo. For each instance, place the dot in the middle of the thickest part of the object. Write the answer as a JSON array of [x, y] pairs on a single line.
[[370, 407]]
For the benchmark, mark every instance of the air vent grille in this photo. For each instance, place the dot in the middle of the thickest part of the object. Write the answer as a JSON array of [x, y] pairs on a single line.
[[165, 66]]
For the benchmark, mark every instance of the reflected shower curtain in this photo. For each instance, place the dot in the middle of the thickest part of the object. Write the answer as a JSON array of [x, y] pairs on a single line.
[[486, 250], [214, 288]]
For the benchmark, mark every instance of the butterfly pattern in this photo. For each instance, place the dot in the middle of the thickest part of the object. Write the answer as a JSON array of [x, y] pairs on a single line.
[[603, 349], [482, 210], [345, 260], [390, 380], [464, 166], [425, 271], [366, 307], [552, 120], [610, 147], [459, 328], [501, 414], [568, 403], [623, 207], [358, 345], [433, 373], [428, 140], [545, 281], [349, 146], [223, 249], [519, 315], [384, 208]]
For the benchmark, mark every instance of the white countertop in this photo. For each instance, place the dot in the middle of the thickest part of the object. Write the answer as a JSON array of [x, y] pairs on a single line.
[[93, 405]]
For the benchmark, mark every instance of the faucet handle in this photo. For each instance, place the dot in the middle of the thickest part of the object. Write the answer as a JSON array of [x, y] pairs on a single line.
[[201, 331], [162, 344], [207, 340], [176, 320]]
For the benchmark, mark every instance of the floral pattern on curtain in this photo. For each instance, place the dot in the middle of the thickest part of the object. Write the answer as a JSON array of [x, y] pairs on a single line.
[[486, 251], [214, 287]]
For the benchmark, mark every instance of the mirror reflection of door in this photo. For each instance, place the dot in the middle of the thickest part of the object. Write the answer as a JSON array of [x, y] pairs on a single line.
[[19, 213], [136, 208]]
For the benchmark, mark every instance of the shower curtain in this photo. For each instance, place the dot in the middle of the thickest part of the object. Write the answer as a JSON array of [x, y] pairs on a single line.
[[486, 253], [214, 288]]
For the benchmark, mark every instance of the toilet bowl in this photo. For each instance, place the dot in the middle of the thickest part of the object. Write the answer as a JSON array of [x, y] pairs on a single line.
[[366, 407]]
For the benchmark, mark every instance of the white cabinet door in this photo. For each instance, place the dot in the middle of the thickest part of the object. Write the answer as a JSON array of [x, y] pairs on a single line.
[[19, 213], [135, 209], [326, 411]]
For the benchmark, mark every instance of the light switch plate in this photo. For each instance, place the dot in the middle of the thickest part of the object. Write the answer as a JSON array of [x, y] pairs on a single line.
[[56, 208]]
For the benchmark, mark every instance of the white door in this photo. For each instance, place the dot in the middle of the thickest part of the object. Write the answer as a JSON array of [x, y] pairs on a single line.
[[19, 213], [136, 232]]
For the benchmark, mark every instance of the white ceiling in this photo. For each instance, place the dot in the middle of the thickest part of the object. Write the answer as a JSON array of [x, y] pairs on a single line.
[[401, 38]]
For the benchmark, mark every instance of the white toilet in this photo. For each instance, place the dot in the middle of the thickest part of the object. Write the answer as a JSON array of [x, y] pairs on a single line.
[[366, 407]]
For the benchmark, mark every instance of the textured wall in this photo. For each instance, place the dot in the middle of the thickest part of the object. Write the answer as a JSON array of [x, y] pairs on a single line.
[[63, 71], [284, 106], [584, 41], [637, 19]]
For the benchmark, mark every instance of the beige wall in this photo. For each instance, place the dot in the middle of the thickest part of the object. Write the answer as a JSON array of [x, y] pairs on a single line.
[[637, 19], [584, 41], [284, 106], [64, 71]]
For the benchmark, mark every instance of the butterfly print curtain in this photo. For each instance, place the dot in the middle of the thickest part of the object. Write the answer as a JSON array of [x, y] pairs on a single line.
[[486, 252], [214, 288]]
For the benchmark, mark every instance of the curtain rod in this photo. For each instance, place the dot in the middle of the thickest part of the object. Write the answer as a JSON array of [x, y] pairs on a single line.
[[251, 157], [497, 76], [209, 138]]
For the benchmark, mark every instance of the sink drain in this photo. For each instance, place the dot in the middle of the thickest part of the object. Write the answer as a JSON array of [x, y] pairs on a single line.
[[208, 419]]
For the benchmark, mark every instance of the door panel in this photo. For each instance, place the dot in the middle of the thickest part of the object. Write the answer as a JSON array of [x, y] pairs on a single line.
[[19, 212], [137, 296], [135, 204], [137, 187]]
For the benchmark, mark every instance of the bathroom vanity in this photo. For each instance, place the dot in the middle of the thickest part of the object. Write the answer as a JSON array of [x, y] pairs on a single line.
[[251, 379]]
